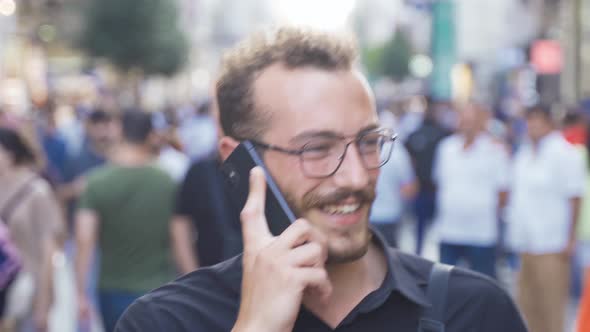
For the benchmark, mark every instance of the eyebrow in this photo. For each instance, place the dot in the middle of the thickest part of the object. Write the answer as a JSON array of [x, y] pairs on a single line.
[[310, 134]]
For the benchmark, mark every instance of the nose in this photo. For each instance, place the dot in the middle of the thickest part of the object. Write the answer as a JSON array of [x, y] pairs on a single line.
[[352, 173]]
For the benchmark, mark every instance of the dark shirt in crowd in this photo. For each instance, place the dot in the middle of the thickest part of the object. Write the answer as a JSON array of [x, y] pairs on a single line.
[[202, 198], [83, 162], [207, 300], [421, 145], [54, 147], [79, 165]]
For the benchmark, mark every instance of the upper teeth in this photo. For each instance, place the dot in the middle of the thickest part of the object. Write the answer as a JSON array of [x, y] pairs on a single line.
[[341, 209]]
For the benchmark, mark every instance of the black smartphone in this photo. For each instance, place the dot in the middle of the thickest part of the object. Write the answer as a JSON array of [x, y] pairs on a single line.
[[236, 172]]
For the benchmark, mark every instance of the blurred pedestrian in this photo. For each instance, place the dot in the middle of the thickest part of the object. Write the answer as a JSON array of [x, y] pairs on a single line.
[[471, 174], [584, 246], [396, 186], [206, 226], [54, 145], [71, 127], [30, 209], [575, 129], [169, 158], [548, 183], [100, 137], [421, 146], [125, 209], [198, 133], [583, 320]]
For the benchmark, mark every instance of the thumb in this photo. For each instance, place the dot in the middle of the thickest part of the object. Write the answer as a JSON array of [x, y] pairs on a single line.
[[254, 227]]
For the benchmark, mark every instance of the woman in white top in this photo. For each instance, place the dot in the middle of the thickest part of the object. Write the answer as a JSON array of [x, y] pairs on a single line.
[[35, 221]]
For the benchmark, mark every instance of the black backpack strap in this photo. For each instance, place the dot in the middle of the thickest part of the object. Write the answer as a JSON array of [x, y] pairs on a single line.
[[433, 319]]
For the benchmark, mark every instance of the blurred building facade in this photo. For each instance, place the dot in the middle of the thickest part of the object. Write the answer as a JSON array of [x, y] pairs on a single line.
[[575, 83], [492, 45]]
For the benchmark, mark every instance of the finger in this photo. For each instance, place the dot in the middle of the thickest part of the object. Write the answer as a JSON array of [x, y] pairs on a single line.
[[298, 233], [315, 279], [317, 236], [254, 227], [311, 254]]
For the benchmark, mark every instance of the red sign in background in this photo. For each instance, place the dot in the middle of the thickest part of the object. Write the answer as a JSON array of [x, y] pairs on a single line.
[[547, 57]]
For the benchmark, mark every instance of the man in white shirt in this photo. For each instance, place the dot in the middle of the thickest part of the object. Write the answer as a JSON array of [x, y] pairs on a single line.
[[544, 205], [471, 172]]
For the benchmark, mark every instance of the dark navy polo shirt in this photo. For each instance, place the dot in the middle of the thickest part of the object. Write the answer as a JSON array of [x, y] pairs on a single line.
[[207, 300]]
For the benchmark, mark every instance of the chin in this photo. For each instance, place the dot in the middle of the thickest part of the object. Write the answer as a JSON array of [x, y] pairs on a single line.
[[348, 236], [349, 246]]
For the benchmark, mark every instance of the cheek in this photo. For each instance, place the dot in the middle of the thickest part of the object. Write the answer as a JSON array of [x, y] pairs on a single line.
[[287, 173], [373, 176]]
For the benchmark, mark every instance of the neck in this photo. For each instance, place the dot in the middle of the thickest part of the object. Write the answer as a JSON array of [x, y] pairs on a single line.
[[538, 140], [11, 172], [470, 138], [100, 149], [132, 155], [351, 283]]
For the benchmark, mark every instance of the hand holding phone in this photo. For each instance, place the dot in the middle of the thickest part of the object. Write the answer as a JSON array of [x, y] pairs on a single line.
[[236, 170], [277, 270]]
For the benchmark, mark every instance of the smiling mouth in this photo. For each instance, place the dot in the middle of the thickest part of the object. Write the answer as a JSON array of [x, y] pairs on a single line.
[[341, 209]]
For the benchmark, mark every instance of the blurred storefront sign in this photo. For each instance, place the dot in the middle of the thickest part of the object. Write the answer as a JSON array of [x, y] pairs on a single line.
[[443, 49], [462, 82], [547, 57]]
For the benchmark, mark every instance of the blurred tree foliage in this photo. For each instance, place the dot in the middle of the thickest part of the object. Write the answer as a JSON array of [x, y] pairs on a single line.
[[391, 59], [135, 34]]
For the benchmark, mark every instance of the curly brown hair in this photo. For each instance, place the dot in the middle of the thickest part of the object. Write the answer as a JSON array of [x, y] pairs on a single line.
[[289, 46]]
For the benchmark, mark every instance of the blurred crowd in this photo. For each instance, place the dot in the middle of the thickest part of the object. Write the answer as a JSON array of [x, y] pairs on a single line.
[[101, 205], [87, 198], [501, 193]]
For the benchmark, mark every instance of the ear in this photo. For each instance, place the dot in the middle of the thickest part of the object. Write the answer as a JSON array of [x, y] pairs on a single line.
[[226, 146]]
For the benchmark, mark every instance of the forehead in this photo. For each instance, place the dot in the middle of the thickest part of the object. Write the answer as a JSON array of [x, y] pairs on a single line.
[[537, 117], [310, 99], [472, 111], [99, 123]]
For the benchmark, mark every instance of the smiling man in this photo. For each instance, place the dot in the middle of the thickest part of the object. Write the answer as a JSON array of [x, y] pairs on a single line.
[[299, 97]]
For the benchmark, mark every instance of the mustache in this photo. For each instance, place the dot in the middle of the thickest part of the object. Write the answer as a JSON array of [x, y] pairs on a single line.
[[365, 195]]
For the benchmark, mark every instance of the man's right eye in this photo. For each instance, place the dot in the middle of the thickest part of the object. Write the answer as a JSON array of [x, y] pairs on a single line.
[[316, 151]]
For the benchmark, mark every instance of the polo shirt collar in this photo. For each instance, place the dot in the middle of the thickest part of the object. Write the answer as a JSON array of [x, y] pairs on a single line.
[[545, 140], [552, 136], [482, 136], [398, 278]]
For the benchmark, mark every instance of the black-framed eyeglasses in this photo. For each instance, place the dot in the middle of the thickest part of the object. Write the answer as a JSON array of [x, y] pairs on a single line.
[[321, 157]]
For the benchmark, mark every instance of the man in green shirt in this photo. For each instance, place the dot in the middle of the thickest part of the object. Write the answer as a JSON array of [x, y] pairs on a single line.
[[125, 210]]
